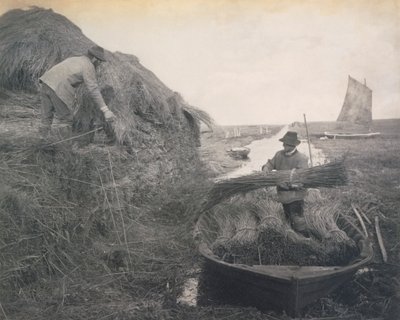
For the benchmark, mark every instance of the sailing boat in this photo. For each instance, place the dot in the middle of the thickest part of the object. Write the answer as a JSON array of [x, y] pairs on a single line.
[[356, 113]]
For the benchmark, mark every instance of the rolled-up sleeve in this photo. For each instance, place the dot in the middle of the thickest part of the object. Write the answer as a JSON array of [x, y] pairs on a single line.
[[270, 165]]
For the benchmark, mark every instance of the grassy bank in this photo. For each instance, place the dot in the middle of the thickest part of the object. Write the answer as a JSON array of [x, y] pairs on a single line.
[[374, 167]]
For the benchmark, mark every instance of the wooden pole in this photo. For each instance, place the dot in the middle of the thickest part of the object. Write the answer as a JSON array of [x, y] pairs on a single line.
[[360, 219], [308, 139], [380, 240]]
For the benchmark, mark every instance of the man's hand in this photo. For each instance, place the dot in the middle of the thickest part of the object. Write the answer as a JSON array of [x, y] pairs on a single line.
[[297, 186], [284, 185], [108, 114]]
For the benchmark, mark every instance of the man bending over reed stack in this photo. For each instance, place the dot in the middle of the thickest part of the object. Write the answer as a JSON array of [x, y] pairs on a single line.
[[57, 90], [291, 196]]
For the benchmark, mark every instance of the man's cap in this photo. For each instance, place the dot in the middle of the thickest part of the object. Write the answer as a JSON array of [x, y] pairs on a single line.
[[290, 138], [97, 52]]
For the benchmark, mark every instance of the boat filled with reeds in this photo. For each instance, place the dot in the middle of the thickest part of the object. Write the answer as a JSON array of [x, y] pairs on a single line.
[[252, 252]]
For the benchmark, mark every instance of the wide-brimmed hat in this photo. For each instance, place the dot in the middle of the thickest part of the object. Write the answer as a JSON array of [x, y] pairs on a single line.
[[290, 138], [97, 52]]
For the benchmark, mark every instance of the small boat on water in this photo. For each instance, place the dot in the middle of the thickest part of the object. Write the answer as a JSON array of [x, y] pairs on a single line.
[[343, 135], [239, 152], [276, 287]]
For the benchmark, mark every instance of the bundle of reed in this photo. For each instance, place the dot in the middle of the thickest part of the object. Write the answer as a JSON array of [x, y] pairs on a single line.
[[302, 251], [328, 175], [279, 243], [313, 195], [321, 215], [271, 231], [224, 218], [339, 253], [243, 245], [321, 218], [200, 115]]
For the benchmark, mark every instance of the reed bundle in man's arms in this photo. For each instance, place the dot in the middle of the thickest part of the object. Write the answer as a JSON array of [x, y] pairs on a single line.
[[324, 176]]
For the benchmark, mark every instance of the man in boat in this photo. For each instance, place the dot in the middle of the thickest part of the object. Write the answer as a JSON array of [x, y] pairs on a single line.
[[58, 86], [291, 196]]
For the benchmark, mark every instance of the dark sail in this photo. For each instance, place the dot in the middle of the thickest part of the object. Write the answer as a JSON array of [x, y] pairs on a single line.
[[357, 105]]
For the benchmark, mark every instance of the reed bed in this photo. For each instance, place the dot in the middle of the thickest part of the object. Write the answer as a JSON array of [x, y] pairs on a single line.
[[324, 176]]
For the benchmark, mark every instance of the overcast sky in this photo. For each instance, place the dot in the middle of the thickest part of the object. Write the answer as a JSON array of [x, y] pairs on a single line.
[[253, 61]]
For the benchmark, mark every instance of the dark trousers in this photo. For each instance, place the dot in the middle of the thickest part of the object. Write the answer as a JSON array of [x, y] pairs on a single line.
[[53, 105], [295, 208], [294, 212]]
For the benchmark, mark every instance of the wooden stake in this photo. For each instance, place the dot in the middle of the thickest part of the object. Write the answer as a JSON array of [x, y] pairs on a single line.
[[380, 239], [364, 216], [360, 219], [308, 139], [353, 225]]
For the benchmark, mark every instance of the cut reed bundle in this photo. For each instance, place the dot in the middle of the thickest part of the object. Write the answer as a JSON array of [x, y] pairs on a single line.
[[200, 115], [271, 231], [302, 251], [243, 244], [246, 229], [262, 234], [224, 218], [328, 175], [279, 243], [237, 230], [321, 217]]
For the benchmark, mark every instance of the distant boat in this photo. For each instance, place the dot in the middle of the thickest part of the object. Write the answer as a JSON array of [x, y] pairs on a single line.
[[341, 135], [239, 152], [355, 118]]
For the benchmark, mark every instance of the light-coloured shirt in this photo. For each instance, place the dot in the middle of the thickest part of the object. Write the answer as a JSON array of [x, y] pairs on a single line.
[[64, 77]]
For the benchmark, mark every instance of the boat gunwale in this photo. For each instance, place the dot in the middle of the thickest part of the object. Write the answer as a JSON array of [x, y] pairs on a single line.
[[291, 276]]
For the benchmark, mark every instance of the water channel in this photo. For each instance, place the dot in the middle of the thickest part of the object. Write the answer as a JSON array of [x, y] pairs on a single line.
[[260, 152]]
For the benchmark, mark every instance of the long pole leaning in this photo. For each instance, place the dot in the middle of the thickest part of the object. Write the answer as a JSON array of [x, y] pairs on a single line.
[[308, 139]]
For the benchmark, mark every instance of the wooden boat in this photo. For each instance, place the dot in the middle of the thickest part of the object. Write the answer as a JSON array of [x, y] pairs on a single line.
[[239, 152], [275, 287], [342, 135]]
